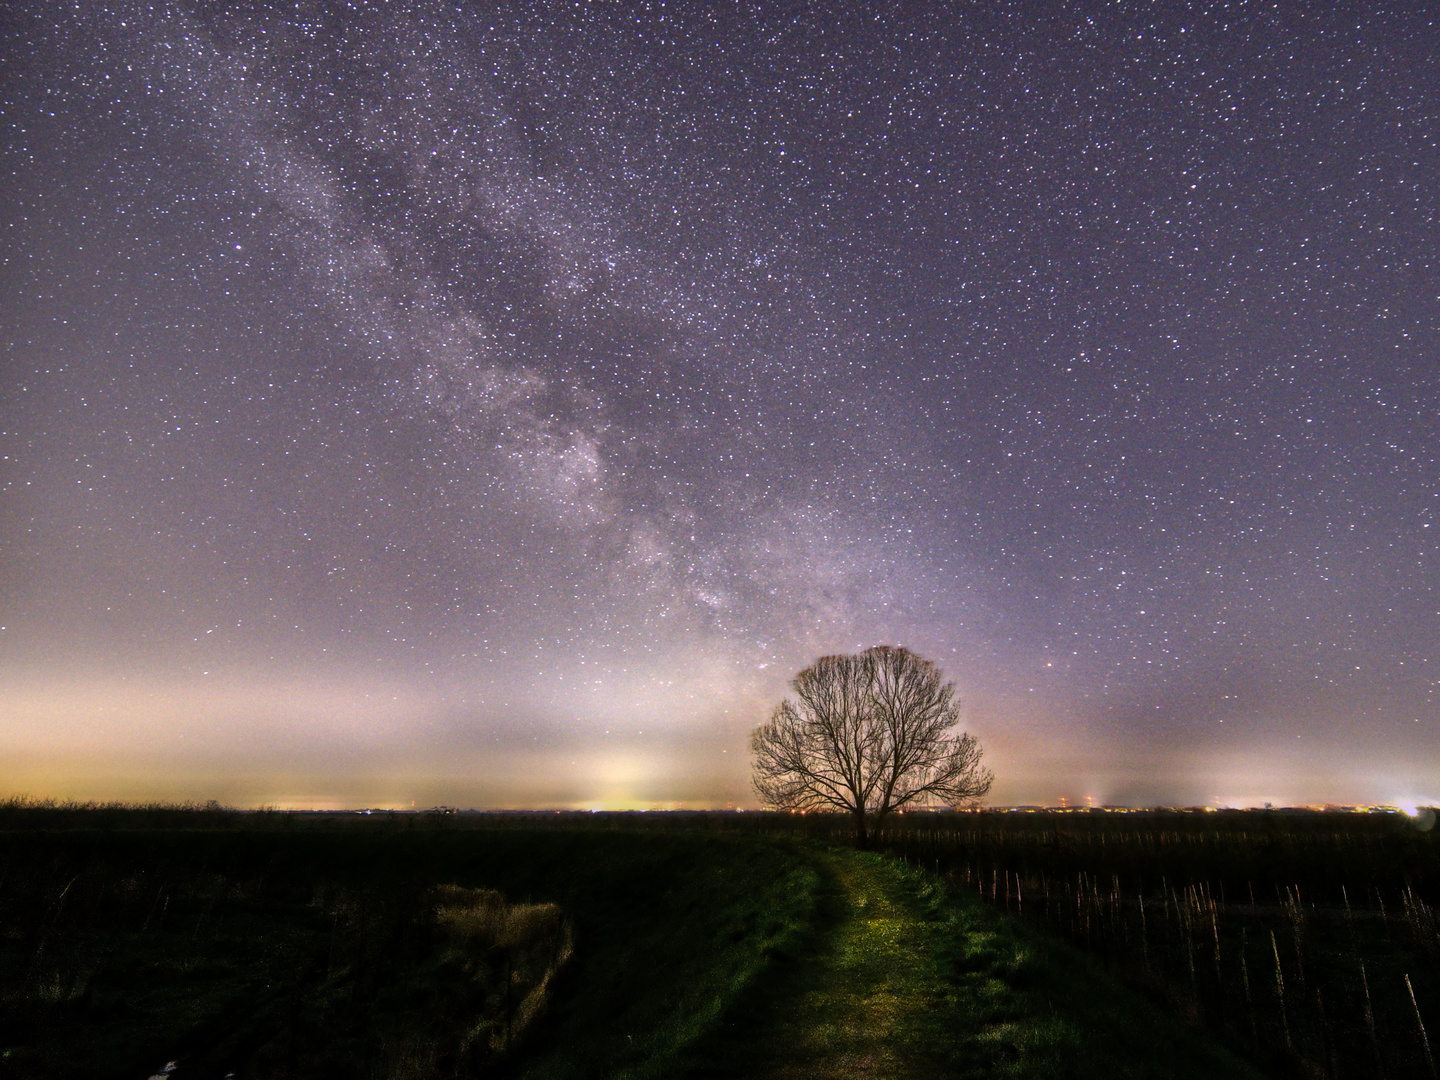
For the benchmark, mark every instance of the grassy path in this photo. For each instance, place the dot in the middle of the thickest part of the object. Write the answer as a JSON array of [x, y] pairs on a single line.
[[857, 999], [839, 1008], [902, 983]]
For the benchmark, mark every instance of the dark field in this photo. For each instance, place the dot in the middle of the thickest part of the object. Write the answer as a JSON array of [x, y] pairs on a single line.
[[708, 945], [319, 945], [1307, 941]]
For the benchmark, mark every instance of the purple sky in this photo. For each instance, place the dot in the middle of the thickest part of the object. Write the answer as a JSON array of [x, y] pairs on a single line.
[[496, 405]]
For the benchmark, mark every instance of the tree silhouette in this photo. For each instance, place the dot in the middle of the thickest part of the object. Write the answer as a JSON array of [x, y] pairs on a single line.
[[867, 734]]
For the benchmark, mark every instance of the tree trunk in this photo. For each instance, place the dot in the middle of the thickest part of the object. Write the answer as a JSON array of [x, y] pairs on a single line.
[[877, 823], [862, 838]]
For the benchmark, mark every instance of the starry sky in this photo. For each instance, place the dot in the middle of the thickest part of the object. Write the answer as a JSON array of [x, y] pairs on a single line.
[[495, 404]]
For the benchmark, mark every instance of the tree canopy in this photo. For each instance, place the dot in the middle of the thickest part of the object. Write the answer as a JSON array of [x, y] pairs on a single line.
[[867, 734]]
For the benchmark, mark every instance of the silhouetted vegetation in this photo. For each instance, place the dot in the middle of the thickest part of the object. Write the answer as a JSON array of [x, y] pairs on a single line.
[[867, 735]]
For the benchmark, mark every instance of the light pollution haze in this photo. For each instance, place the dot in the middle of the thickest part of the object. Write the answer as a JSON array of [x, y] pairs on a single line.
[[496, 404]]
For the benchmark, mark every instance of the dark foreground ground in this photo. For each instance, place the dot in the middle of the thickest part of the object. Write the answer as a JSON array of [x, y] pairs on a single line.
[[276, 945]]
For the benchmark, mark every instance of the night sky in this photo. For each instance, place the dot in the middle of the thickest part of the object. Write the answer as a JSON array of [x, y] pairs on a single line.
[[496, 404]]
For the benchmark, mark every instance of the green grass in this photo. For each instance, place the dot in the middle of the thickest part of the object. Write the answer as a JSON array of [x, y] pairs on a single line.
[[902, 980], [687, 924]]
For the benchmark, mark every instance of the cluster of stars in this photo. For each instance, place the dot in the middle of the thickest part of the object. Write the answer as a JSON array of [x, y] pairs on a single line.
[[1092, 354]]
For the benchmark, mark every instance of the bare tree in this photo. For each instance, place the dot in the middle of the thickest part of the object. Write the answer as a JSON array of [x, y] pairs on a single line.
[[867, 734]]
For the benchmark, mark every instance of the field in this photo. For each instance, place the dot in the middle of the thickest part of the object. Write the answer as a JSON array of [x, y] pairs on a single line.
[[662, 945], [280, 945], [1307, 941]]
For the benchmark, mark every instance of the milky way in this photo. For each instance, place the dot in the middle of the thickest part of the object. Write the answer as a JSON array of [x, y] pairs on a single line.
[[497, 404]]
